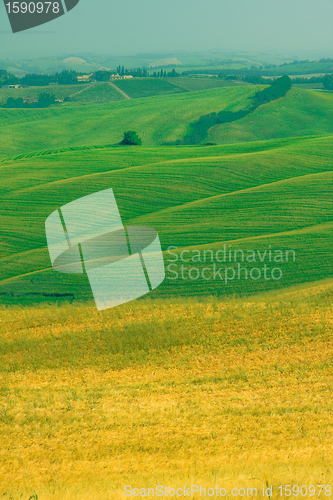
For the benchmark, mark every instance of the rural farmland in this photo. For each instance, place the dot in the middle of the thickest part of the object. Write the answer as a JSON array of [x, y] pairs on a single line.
[[211, 379]]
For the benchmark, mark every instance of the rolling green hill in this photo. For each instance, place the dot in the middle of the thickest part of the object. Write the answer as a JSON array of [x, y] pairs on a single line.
[[274, 194], [163, 119], [301, 112], [252, 195], [157, 120]]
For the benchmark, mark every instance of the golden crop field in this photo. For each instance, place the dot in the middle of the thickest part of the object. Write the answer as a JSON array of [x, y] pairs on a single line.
[[234, 393]]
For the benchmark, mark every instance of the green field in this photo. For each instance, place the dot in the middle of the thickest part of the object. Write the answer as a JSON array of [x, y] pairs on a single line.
[[97, 93], [257, 194], [146, 87], [271, 193], [194, 84], [309, 86], [303, 68]]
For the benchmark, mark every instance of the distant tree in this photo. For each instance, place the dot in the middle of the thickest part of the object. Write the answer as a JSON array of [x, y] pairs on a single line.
[[131, 138], [66, 77], [7, 78], [19, 103], [277, 89], [102, 76], [45, 100], [255, 79], [328, 82], [32, 79], [14, 103], [11, 103]]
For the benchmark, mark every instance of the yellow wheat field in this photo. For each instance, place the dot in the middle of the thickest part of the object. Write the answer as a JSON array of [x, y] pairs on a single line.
[[233, 394]]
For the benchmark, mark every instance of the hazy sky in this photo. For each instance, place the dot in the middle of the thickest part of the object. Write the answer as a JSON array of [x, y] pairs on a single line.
[[132, 26]]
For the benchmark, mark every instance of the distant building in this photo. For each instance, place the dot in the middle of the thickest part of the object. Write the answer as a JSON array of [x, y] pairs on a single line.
[[11, 86], [84, 78], [120, 77]]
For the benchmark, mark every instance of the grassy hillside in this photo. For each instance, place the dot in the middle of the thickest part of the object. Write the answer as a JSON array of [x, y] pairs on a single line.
[[228, 394], [301, 112], [96, 93], [163, 119], [156, 119], [250, 196]]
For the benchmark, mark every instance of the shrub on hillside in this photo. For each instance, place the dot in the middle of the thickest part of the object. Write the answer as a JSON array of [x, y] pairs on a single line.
[[45, 100], [131, 138]]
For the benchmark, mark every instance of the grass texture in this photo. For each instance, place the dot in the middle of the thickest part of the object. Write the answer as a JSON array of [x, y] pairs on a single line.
[[174, 392]]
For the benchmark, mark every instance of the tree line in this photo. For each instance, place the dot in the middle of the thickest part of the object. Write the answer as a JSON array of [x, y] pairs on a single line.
[[70, 77], [44, 100], [65, 77], [197, 130]]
